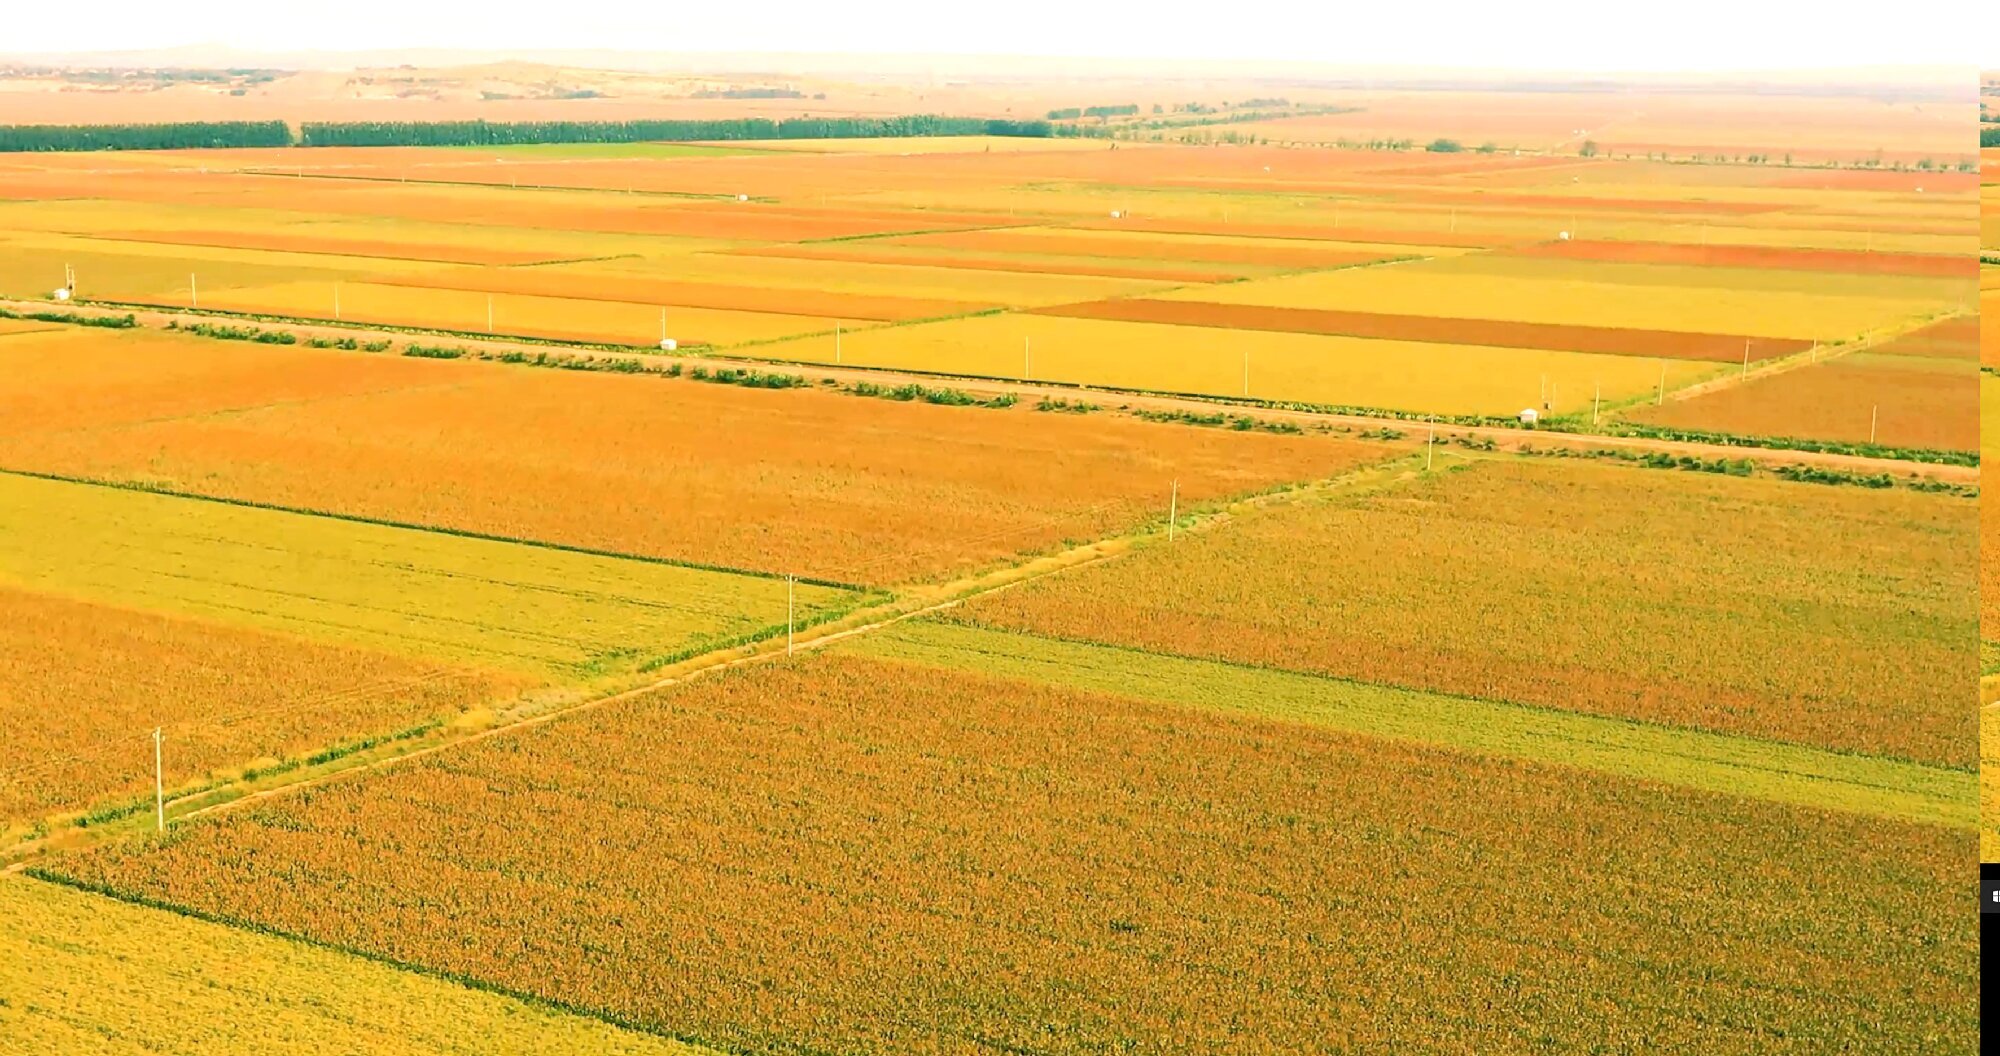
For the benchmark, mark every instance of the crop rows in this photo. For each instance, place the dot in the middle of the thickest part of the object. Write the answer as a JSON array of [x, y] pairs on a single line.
[[846, 856]]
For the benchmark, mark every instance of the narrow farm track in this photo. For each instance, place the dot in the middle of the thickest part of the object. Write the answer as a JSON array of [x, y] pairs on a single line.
[[914, 603], [1505, 438]]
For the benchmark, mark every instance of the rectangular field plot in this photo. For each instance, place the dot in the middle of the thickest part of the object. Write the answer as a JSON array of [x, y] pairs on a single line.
[[1863, 263], [84, 974], [1462, 288], [82, 686], [1717, 348], [855, 856], [1833, 617], [819, 484], [560, 318], [1408, 376], [530, 609], [1883, 397]]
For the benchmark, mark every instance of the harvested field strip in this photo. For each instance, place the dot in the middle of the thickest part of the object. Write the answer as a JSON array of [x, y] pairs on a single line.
[[534, 610], [85, 973], [724, 861], [877, 253], [1861, 263], [1899, 401], [1839, 618], [1277, 254], [667, 293], [709, 474], [82, 686], [1743, 766], [299, 242], [1720, 348]]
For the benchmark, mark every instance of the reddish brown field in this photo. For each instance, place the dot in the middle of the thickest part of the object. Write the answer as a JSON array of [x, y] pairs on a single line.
[[1910, 404], [292, 241], [1720, 348], [844, 856], [1843, 260], [1133, 270], [1956, 338], [82, 686]]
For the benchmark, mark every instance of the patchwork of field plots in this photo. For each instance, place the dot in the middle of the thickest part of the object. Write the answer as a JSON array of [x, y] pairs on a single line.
[[810, 483], [1046, 775], [1667, 597], [848, 855], [1441, 258]]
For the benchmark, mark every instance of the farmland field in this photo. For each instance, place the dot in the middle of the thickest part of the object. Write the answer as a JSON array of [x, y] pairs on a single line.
[[92, 970], [1391, 568], [1836, 618], [532, 610], [831, 855], [767, 249], [624, 464], [1917, 391], [83, 685]]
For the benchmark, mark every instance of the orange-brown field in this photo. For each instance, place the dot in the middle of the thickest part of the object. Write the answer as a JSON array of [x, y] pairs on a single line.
[[1893, 398], [82, 687], [1835, 617], [845, 855], [814, 483]]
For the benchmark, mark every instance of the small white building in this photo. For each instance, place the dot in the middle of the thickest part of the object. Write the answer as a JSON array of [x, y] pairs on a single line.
[[669, 344], [1529, 416]]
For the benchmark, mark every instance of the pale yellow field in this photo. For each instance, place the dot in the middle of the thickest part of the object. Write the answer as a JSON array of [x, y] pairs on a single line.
[[1421, 288], [1400, 375], [86, 975], [613, 322]]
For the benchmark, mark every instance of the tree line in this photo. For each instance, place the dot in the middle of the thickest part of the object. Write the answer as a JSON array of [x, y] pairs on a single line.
[[1071, 113], [493, 133], [195, 134], [179, 135]]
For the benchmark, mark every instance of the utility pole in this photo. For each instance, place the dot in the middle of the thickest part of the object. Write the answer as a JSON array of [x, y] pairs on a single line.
[[836, 343], [1430, 447], [663, 328], [489, 313], [1597, 403], [1746, 355], [1173, 509], [159, 786], [194, 297], [1663, 386], [336, 302], [1025, 345], [790, 609], [1246, 373], [1874, 416]]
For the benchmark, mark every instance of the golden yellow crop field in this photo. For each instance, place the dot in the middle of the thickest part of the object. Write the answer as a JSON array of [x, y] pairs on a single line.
[[551, 613], [613, 322], [1355, 372], [86, 975], [1435, 288]]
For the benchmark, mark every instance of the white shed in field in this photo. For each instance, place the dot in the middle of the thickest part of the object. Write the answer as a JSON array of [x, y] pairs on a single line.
[[1530, 416]]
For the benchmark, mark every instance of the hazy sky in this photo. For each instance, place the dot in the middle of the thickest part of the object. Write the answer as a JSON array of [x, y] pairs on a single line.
[[1698, 35]]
